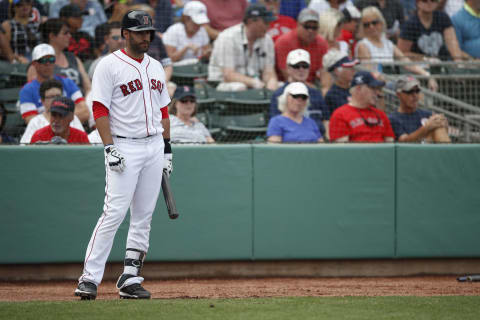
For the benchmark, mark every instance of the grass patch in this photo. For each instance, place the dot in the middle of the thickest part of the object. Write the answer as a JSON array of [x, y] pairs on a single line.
[[454, 307]]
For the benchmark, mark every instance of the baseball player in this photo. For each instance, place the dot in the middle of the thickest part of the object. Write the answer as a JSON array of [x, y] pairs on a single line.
[[130, 101]]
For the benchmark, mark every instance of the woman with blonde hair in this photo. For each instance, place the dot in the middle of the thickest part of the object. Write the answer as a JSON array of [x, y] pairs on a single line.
[[375, 49], [330, 26], [292, 125]]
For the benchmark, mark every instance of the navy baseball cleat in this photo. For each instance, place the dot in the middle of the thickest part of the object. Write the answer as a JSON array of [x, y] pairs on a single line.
[[134, 291], [86, 291]]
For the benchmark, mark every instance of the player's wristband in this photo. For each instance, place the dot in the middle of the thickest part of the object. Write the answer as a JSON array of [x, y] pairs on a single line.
[[168, 147]]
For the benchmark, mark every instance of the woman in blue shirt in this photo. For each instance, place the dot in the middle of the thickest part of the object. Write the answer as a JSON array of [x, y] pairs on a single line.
[[291, 125]]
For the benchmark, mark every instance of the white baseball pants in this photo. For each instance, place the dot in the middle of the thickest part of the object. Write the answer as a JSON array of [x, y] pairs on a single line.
[[137, 188]]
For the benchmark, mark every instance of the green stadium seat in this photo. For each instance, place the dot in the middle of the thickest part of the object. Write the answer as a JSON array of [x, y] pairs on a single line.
[[9, 94], [12, 74], [186, 75], [14, 125], [240, 128]]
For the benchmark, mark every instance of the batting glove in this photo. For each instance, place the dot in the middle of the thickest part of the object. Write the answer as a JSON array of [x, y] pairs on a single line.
[[168, 157], [115, 160]]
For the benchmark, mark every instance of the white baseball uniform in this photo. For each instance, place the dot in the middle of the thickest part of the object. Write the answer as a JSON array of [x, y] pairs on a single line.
[[134, 93]]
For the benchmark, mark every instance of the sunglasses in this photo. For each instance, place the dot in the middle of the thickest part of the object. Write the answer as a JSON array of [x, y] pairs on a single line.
[[299, 96], [116, 38], [373, 23], [46, 60], [310, 27], [371, 123], [432, 1], [412, 91], [188, 100], [300, 65], [51, 97]]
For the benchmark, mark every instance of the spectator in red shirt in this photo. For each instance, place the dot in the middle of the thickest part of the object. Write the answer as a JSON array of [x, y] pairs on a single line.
[[305, 37], [59, 130], [350, 27], [359, 120], [283, 24], [223, 14]]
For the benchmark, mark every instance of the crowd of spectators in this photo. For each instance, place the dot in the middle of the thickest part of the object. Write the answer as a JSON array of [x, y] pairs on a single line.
[[305, 51]]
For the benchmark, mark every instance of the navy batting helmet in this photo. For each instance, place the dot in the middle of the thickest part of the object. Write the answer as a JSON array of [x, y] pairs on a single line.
[[138, 20]]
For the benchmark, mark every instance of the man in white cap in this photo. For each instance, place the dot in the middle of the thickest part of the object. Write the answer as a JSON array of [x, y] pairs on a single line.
[[187, 40], [306, 37], [43, 60], [341, 68], [298, 67], [243, 55], [359, 120], [411, 124]]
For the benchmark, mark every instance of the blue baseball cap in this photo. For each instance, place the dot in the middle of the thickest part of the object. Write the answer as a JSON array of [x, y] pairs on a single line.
[[365, 77], [184, 91], [258, 10], [62, 105]]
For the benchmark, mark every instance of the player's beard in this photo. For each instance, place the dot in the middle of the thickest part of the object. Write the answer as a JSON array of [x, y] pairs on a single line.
[[140, 47]]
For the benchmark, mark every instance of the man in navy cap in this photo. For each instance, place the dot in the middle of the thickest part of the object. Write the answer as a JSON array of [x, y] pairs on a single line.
[[59, 130], [342, 70], [359, 120]]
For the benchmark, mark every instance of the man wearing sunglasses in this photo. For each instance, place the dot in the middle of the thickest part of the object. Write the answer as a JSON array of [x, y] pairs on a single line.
[[411, 124], [298, 67], [306, 37], [359, 120], [341, 67], [43, 60], [114, 41]]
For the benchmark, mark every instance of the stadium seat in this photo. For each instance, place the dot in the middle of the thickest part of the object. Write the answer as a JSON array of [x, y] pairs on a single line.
[[12, 74], [185, 75], [240, 128], [14, 125]]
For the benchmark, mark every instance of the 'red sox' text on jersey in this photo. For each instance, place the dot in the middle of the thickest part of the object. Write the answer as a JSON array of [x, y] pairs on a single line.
[[133, 91]]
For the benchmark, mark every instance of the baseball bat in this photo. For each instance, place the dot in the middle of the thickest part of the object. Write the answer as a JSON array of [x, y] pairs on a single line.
[[168, 195]]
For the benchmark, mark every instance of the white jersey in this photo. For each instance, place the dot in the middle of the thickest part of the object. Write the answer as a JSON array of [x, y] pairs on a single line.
[[39, 121], [134, 92]]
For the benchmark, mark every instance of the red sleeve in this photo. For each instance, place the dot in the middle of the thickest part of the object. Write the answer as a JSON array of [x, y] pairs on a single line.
[[29, 113], [338, 126], [79, 100], [164, 112], [99, 110]]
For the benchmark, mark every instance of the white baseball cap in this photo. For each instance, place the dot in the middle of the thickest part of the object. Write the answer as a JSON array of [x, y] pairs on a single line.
[[334, 58], [296, 88], [42, 50], [197, 11], [298, 55]]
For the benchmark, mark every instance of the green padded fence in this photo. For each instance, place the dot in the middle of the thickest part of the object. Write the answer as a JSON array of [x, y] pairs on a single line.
[[245, 202], [438, 201], [327, 201]]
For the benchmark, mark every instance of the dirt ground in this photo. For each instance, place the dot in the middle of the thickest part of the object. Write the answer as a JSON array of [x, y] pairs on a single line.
[[258, 287]]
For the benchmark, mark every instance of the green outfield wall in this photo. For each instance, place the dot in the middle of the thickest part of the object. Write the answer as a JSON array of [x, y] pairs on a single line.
[[254, 202]]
